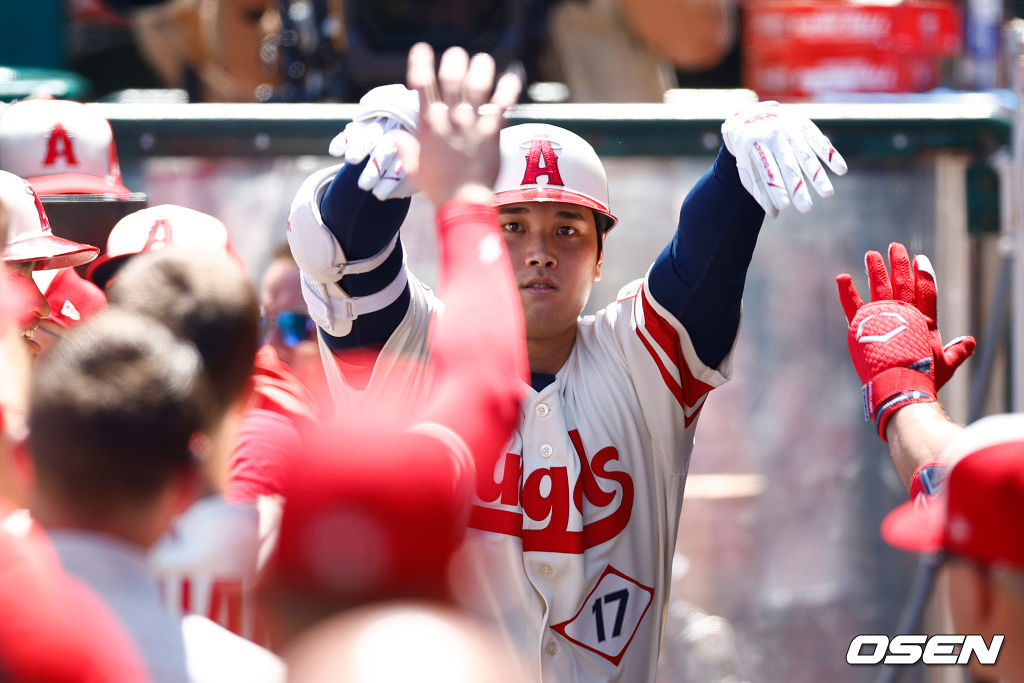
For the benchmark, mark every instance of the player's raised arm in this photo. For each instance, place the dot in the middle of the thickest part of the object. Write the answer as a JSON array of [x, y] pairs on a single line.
[[769, 157], [344, 222], [478, 342], [896, 348]]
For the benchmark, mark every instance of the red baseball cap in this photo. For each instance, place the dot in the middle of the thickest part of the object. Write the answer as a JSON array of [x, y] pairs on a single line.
[[370, 514], [158, 227], [61, 147], [72, 298], [29, 237], [980, 513]]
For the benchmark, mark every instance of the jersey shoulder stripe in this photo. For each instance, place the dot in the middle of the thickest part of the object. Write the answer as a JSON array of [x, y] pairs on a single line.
[[662, 341]]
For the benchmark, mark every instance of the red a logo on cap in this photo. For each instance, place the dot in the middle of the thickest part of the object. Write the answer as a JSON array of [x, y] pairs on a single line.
[[159, 236], [541, 148], [58, 145]]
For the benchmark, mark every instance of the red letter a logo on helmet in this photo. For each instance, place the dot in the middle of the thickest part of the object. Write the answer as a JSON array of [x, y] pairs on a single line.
[[159, 236], [59, 145], [541, 148]]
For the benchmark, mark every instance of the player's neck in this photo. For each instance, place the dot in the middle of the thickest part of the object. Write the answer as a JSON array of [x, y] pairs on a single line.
[[550, 353]]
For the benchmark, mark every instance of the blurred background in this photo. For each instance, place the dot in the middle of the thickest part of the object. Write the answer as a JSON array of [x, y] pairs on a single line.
[[225, 106], [566, 50]]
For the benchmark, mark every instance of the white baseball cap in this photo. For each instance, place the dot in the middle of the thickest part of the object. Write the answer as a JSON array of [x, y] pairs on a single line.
[[61, 147], [29, 237], [156, 228], [545, 163]]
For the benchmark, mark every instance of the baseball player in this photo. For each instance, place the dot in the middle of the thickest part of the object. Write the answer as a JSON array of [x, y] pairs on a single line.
[[381, 520], [67, 153], [209, 556], [575, 522], [209, 560], [31, 246]]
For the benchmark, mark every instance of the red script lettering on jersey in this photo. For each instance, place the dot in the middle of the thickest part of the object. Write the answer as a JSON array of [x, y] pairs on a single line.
[[554, 506]]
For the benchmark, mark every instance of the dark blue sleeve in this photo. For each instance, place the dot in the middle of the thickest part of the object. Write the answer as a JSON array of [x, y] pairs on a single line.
[[699, 276], [364, 225]]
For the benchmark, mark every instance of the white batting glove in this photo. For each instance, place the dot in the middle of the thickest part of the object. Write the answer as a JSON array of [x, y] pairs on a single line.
[[383, 109], [774, 151]]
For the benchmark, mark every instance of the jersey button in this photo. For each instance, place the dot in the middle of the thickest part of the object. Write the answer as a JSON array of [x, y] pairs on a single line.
[[543, 410], [546, 450], [551, 648], [546, 570]]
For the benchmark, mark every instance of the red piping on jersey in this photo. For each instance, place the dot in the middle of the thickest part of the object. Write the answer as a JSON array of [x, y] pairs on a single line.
[[186, 596], [692, 389]]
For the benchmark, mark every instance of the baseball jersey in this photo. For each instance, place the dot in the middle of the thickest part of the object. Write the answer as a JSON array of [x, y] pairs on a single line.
[[574, 523], [578, 517], [38, 642], [280, 405], [206, 563]]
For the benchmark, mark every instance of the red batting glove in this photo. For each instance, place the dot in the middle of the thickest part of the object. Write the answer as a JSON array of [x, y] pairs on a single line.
[[947, 357], [893, 341]]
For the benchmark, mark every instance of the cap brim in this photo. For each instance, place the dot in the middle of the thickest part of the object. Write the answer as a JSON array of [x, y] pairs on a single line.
[[78, 183], [102, 269], [545, 194], [50, 251], [916, 526]]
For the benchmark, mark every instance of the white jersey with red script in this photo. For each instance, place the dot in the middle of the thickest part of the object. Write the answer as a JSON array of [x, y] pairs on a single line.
[[208, 560], [575, 525]]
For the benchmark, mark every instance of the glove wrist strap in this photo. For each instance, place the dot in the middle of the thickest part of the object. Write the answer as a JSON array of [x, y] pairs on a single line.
[[896, 388]]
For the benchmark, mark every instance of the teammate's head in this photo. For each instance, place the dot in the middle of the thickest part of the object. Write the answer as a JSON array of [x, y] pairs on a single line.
[[16, 297], [287, 325], [203, 297], [113, 409], [545, 163], [552, 197], [978, 524], [377, 522], [30, 245]]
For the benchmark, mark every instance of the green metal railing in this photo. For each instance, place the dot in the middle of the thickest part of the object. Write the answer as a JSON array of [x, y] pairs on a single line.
[[970, 123]]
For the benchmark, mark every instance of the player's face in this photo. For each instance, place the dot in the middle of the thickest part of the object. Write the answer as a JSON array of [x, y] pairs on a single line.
[[281, 291], [553, 247], [295, 343], [39, 308]]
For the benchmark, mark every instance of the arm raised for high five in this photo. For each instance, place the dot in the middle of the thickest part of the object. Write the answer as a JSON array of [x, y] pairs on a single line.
[[478, 344], [896, 348], [769, 157]]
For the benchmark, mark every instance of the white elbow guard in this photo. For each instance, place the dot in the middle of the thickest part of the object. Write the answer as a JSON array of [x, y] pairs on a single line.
[[323, 262], [333, 310]]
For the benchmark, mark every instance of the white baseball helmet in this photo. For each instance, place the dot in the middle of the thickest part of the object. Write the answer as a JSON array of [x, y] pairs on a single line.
[[545, 163], [29, 237]]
